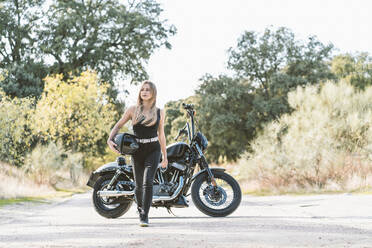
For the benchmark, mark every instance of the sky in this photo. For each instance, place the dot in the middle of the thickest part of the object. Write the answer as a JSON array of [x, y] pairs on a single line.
[[206, 29]]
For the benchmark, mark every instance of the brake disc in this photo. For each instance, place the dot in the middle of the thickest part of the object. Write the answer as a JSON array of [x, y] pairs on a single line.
[[216, 196]]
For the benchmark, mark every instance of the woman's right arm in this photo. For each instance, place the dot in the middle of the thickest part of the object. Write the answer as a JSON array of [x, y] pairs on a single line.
[[124, 119]]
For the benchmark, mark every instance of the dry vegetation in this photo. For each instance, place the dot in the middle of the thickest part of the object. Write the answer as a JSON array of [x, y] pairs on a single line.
[[14, 183], [324, 145], [44, 174]]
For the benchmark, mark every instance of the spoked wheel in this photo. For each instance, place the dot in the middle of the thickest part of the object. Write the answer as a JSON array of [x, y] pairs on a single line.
[[108, 207], [216, 201]]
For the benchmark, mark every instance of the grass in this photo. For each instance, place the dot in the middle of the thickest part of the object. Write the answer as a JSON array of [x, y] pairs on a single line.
[[59, 193], [4, 202]]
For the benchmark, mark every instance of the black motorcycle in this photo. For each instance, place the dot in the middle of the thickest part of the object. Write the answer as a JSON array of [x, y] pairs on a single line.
[[214, 192]]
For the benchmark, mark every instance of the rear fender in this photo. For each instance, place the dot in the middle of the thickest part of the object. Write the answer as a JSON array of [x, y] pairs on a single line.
[[104, 169]]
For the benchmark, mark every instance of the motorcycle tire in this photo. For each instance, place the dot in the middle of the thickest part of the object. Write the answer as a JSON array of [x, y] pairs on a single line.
[[200, 204], [98, 202]]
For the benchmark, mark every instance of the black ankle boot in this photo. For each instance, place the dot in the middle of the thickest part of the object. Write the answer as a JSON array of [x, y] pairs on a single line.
[[144, 220], [140, 212]]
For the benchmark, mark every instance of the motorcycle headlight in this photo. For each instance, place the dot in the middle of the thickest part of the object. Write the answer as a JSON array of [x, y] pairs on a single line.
[[201, 140]]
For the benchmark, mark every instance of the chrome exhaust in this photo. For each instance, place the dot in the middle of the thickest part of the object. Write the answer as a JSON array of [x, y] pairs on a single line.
[[114, 193], [155, 198]]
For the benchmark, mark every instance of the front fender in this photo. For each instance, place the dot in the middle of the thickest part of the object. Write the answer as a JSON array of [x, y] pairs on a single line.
[[205, 171], [106, 168]]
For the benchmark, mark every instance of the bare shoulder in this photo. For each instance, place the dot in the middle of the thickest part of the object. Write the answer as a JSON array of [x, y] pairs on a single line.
[[132, 108], [130, 111]]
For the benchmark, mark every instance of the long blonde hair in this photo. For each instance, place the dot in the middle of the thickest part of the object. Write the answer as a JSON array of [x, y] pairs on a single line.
[[138, 113]]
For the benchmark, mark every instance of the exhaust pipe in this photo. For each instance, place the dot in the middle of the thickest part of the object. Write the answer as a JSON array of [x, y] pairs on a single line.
[[114, 193], [155, 198]]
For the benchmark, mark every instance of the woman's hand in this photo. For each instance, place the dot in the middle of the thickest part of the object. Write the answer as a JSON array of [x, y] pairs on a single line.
[[164, 163], [126, 116], [112, 146]]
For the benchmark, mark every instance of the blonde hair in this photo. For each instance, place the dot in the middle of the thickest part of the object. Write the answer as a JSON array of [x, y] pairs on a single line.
[[138, 113]]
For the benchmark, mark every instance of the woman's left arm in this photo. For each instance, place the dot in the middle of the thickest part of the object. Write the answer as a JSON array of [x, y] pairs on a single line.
[[162, 141]]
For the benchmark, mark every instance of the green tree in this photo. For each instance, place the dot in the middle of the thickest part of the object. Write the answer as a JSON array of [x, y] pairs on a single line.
[[275, 62], [223, 107], [172, 112], [115, 38], [176, 117], [108, 36], [268, 66], [25, 79], [355, 69], [20, 60]]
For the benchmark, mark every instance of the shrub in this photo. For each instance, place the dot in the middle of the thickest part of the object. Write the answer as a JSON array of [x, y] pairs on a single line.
[[325, 143], [49, 164], [16, 138], [76, 113]]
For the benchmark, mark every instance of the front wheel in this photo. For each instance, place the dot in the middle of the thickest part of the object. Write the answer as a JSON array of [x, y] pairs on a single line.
[[106, 206], [217, 201]]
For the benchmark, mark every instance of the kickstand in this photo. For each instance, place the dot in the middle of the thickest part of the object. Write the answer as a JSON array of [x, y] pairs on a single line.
[[170, 211]]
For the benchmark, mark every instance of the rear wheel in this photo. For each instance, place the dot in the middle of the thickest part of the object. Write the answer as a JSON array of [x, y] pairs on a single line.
[[107, 206], [217, 201]]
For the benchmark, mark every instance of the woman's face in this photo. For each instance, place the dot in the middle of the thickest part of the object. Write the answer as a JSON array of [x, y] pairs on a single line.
[[146, 93]]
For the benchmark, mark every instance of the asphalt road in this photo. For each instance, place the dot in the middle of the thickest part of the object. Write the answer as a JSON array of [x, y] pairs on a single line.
[[342, 220]]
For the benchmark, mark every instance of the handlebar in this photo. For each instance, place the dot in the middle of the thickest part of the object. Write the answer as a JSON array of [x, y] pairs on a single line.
[[178, 135], [180, 132], [188, 106], [190, 110]]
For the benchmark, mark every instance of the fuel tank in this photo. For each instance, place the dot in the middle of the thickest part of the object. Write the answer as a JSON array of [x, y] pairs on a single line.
[[177, 150]]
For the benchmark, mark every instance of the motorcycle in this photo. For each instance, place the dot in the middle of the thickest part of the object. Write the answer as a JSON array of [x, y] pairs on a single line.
[[213, 191]]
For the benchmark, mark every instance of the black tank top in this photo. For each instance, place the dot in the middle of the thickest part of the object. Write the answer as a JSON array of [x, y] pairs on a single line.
[[145, 132]]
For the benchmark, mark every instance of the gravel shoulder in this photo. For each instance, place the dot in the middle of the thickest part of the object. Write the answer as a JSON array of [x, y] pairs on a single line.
[[342, 220]]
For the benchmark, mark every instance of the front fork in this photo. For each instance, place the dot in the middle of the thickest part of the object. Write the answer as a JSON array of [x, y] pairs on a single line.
[[204, 163], [213, 181]]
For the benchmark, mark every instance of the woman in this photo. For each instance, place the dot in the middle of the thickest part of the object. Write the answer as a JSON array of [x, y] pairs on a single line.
[[148, 126]]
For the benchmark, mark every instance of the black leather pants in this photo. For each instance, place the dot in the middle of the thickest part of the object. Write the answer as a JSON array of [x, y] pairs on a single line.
[[146, 160]]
